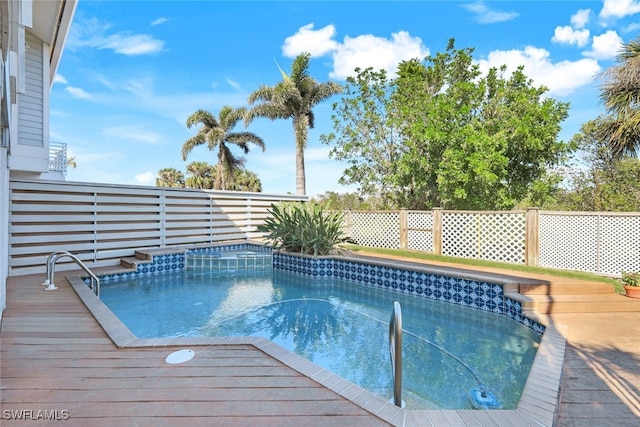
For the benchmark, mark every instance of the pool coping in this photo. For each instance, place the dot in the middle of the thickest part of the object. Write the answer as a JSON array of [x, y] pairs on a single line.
[[537, 406]]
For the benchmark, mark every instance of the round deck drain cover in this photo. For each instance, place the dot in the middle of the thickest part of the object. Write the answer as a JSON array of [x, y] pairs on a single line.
[[180, 356]]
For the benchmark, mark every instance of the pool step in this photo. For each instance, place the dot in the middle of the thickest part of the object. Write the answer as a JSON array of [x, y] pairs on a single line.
[[133, 262], [586, 303], [560, 287], [572, 296], [145, 257]]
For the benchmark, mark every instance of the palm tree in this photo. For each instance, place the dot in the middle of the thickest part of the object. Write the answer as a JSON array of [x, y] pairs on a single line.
[[219, 133], [170, 177], [293, 98], [620, 94], [202, 175], [246, 180]]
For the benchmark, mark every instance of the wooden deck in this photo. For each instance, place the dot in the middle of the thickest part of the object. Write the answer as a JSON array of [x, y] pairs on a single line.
[[55, 357]]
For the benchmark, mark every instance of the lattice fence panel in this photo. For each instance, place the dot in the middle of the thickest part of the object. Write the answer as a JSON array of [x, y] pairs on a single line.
[[376, 229], [620, 244], [569, 242], [491, 236], [420, 232]]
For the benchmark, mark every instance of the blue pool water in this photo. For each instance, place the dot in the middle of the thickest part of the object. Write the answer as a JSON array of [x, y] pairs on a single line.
[[448, 350]]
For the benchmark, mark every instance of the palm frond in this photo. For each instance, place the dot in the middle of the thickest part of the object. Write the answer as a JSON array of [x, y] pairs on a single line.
[[242, 140], [202, 116], [190, 144]]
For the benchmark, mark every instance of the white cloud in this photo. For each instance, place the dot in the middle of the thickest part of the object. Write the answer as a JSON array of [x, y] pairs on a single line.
[[59, 79], [77, 92], [234, 84], [633, 27], [159, 21], [568, 35], [486, 15], [135, 133], [605, 46], [146, 178], [377, 52], [131, 44], [562, 78], [619, 8], [580, 18], [316, 42], [94, 33]]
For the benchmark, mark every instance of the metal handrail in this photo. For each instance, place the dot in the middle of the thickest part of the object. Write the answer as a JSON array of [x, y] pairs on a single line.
[[51, 267], [395, 350]]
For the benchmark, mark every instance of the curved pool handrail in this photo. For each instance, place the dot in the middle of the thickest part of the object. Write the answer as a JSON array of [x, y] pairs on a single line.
[[51, 267], [395, 351]]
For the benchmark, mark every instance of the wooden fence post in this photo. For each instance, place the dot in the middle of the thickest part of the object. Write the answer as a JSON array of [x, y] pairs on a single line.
[[404, 231], [437, 231], [532, 238]]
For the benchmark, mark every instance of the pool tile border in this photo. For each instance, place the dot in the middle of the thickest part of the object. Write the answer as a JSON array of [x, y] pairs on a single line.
[[464, 290], [538, 403]]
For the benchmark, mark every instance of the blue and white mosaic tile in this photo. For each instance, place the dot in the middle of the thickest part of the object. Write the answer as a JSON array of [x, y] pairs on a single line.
[[465, 292]]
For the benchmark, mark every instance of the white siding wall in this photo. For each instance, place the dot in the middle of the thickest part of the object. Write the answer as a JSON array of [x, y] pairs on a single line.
[[102, 223], [4, 225], [32, 103]]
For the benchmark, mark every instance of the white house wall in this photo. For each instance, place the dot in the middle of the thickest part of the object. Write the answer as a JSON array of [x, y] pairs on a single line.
[[30, 152], [4, 226], [32, 38]]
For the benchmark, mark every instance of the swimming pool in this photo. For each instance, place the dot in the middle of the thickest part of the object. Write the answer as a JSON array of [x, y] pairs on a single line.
[[343, 327]]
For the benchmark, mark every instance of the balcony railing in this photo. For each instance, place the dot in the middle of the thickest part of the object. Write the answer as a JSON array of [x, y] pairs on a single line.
[[58, 157]]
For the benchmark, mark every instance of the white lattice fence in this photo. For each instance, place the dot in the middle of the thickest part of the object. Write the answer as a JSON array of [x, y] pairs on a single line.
[[490, 236], [420, 231], [599, 243], [376, 229], [620, 244], [569, 242]]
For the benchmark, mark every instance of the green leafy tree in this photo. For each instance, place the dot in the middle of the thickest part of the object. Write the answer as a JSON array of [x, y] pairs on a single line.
[[473, 141], [605, 180], [219, 134], [293, 98], [620, 93], [333, 201], [170, 177], [460, 140], [365, 137], [202, 175]]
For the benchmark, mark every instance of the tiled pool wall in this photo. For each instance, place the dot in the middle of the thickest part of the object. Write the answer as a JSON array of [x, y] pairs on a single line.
[[465, 292], [461, 291]]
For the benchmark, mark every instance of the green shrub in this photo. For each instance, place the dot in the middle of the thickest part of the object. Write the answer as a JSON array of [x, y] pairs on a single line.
[[631, 279], [303, 228]]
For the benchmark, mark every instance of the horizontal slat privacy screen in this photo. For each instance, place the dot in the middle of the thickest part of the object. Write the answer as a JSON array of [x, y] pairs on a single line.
[[102, 223]]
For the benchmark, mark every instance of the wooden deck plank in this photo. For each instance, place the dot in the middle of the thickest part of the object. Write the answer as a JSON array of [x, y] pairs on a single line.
[[203, 394], [55, 356], [30, 383]]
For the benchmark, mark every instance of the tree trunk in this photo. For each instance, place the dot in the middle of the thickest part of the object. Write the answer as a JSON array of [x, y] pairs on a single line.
[[300, 125], [301, 184]]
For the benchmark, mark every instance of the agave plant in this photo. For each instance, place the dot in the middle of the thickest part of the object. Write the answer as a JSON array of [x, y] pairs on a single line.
[[303, 228]]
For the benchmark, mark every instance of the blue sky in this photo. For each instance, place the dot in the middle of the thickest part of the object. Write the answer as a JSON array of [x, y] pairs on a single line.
[[133, 71]]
